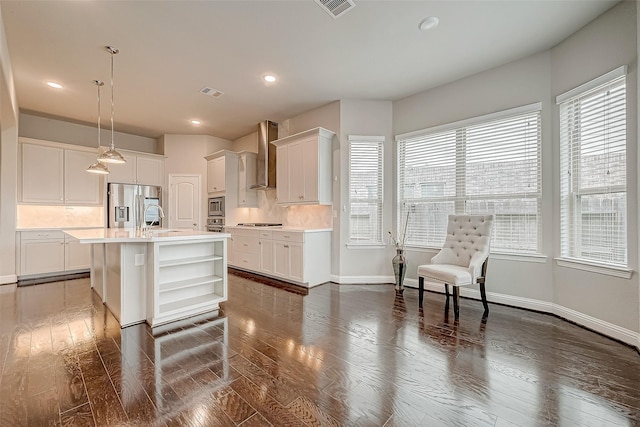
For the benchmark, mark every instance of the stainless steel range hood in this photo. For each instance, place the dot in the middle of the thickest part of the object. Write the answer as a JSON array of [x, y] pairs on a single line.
[[266, 163]]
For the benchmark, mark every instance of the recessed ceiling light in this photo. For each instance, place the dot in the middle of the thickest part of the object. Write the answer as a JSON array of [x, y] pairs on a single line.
[[54, 85], [195, 122], [428, 23], [269, 78]]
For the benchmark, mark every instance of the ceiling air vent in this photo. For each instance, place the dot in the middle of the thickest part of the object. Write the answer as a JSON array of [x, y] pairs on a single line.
[[210, 92], [336, 8]]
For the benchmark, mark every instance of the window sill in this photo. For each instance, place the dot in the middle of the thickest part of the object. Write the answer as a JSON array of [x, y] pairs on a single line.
[[509, 256], [536, 258], [365, 245], [593, 267]]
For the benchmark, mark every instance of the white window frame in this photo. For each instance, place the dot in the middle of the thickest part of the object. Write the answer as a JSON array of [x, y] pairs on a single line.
[[571, 189], [457, 200], [378, 181]]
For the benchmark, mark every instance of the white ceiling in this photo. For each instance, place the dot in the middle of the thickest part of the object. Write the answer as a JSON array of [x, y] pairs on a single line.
[[169, 50]]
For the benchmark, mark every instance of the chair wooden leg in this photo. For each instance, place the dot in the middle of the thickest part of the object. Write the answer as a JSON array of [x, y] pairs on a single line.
[[420, 291], [483, 294], [456, 302]]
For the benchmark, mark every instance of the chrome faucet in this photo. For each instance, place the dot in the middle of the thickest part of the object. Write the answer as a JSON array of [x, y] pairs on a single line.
[[146, 226]]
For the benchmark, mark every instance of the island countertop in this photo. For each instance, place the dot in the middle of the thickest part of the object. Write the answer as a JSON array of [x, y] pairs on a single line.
[[125, 235]]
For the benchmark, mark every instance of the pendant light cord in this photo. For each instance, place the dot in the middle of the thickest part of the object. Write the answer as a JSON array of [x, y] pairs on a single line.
[[98, 83], [112, 140]]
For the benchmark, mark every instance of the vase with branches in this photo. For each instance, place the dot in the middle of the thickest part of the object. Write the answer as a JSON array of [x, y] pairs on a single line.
[[399, 262]]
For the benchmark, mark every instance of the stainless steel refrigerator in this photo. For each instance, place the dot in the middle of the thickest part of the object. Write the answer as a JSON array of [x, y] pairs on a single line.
[[126, 204]]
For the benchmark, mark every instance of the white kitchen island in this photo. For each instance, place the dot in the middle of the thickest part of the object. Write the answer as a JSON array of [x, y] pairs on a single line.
[[157, 277]]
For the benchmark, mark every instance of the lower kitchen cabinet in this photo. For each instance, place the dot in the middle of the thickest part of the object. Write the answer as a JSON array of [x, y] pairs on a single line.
[[288, 255], [50, 252], [302, 257], [77, 256]]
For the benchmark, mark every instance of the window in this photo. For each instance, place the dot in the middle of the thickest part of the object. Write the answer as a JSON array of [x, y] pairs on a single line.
[[486, 165], [365, 189], [593, 170]]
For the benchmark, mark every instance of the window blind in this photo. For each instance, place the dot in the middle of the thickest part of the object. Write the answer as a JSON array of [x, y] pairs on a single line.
[[486, 166], [365, 189], [593, 174]]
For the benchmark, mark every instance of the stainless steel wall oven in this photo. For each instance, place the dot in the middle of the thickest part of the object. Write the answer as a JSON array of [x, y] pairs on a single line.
[[215, 214]]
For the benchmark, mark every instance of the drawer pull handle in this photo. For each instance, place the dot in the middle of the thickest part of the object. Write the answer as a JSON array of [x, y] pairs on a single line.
[[286, 246]]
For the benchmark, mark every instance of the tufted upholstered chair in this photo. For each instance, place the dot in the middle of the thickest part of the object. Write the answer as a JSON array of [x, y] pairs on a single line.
[[462, 259]]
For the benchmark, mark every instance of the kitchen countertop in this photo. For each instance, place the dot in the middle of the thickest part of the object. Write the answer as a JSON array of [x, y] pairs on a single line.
[[280, 228], [127, 235]]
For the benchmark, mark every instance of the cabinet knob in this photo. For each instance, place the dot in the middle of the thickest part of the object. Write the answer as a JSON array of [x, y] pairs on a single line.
[[286, 246]]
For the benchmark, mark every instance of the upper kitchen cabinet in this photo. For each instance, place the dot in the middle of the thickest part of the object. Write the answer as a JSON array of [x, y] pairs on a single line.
[[52, 174], [222, 172], [304, 168], [247, 197], [139, 169]]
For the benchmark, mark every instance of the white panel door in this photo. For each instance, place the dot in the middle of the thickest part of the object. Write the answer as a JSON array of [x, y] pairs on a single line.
[[184, 202]]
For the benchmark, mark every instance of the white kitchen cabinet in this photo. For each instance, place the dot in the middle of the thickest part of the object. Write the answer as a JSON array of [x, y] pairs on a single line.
[[247, 197], [42, 174], [222, 176], [215, 175], [80, 187], [45, 252], [138, 169], [288, 259], [304, 168], [246, 249], [41, 252], [77, 256], [302, 257], [266, 251], [54, 175]]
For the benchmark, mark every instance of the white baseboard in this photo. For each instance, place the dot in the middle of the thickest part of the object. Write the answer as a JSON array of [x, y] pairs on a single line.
[[609, 329], [7, 279], [358, 280]]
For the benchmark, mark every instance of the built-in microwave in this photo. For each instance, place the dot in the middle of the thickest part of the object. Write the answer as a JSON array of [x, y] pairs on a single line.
[[216, 207]]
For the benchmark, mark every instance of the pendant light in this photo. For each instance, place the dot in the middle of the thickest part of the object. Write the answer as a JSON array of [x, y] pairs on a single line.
[[111, 155], [98, 167]]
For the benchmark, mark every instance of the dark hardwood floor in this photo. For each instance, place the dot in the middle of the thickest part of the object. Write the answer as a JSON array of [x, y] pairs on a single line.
[[350, 355]]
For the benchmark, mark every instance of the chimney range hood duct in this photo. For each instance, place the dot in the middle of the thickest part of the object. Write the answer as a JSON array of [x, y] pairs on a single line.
[[266, 163]]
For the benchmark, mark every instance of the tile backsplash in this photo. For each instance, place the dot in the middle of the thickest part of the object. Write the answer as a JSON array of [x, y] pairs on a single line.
[[307, 216], [37, 216]]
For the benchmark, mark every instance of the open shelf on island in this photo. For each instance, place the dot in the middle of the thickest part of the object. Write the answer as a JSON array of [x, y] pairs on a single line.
[[190, 302], [192, 260], [188, 283]]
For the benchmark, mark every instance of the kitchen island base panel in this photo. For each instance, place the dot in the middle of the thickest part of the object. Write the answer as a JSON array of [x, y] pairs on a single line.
[[158, 277], [125, 292]]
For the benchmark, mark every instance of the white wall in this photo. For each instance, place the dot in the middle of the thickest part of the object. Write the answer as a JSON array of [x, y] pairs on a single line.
[[601, 302], [185, 155], [9, 117], [48, 129], [606, 43], [247, 143], [364, 264], [515, 84]]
